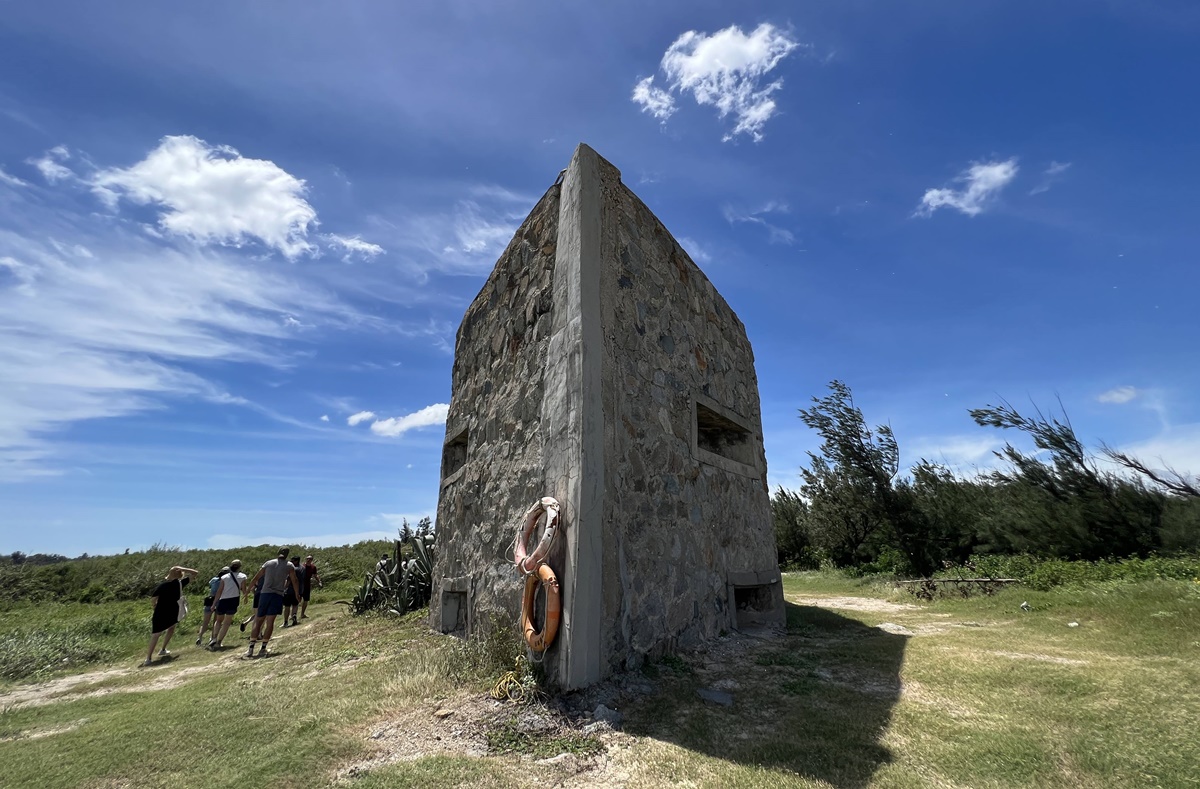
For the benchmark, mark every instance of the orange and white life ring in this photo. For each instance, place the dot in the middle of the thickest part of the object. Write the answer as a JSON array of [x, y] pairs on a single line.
[[541, 641], [526, 561]]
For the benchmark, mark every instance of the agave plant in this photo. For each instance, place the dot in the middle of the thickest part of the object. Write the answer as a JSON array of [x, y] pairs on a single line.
[[404, 586], [364, 599]]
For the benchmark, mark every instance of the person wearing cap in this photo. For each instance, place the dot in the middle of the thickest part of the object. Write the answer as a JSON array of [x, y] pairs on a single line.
[[228, 591], [276, 574], [210, 603], [310, 575]]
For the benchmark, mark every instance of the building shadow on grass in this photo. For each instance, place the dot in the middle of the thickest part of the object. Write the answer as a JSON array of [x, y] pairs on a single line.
[[815, 702]]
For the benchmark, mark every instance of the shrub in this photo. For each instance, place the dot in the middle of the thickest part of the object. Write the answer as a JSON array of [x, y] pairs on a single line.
[[30, 653]]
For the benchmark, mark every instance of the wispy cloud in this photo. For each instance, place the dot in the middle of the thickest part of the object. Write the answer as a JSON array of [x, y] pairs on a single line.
[[726, 70], [1118, 396], [963, 454], [465, 238], [324, 417], [1178, 449], [396, 426], [361, 416], [49, 164], [695, 250], [982, 182], [213, 194], [101, 320], [353, 245], [757, 216], [1050, 176], [11, 180]]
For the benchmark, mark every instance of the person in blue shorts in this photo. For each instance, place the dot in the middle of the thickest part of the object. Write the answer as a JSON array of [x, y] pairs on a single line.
[[275, 574], [210, 604], [228, 591]]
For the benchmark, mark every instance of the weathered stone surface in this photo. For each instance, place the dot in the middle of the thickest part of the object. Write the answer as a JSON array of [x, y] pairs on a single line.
[[600, 366], [715, 697], [609, 716]]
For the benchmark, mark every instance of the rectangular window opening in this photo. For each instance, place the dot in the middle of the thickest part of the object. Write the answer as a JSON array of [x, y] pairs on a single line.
[[754, 605], [454, 454], [454, 613], [722, 436]]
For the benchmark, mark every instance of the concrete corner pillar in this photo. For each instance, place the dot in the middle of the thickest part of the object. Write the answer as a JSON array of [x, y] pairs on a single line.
[[572, 423]]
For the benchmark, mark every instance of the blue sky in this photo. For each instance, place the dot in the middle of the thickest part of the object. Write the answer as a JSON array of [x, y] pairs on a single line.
[[226, 230]]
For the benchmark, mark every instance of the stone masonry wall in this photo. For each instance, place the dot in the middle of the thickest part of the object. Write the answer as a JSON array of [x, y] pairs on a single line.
[[499, 365], [599, 365], [680, 522]]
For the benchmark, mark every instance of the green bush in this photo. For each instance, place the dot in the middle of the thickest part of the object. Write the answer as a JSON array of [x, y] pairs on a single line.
[[1048, 573], [29, 653], [133, 575]]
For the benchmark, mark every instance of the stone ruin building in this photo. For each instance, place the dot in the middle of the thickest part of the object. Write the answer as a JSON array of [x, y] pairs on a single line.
[[598, 365]]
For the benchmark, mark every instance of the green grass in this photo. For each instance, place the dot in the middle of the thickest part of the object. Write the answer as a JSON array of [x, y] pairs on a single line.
[[981, 694]]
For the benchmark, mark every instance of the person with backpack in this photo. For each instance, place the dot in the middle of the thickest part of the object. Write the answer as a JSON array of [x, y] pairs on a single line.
[[168, 609], [210, 604], [229, 590]]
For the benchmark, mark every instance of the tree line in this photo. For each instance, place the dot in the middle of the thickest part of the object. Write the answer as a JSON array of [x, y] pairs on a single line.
[[855, 508]]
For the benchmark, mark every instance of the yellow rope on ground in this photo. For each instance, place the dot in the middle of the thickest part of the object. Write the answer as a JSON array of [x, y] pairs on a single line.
[[512, 685]]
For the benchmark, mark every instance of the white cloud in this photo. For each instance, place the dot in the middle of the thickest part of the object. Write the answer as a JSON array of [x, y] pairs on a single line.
[[1118, 396], [353, 245], [1178, 449], [102, 321], [361, 416], [50, 168], [324, 417], [983, 181], [465, 239], [776, 234], [655, 101], [963, 454], [24, 275], [695, 250], [11, 180], [213, 194], [395, 426], [1049, 176], [725, 70]]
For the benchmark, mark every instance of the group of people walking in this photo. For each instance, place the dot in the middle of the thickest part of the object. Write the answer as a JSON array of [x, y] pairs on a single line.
[[280, 587]]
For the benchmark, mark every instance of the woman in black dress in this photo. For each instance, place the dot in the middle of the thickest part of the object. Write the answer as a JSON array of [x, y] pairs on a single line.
[[165, 603]]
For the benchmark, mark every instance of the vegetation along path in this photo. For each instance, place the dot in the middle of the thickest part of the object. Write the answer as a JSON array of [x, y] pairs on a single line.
[[1092, 687]]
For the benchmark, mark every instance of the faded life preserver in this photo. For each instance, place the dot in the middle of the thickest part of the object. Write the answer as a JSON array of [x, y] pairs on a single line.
[[525, 560], [541, 641]]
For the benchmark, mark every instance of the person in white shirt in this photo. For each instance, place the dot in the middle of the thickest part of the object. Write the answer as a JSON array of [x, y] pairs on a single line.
[[229, 590]]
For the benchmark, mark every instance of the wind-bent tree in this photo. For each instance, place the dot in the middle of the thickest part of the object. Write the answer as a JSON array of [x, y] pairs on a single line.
[[850, 488], [1167, 479], [789, 512], [1071, 508]]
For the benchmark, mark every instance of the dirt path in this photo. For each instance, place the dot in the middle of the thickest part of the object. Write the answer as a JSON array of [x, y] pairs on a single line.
[[74, 687], [855, 604]]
